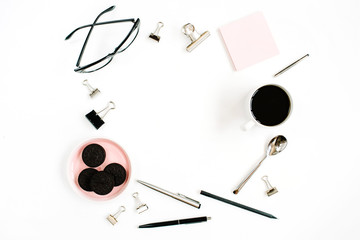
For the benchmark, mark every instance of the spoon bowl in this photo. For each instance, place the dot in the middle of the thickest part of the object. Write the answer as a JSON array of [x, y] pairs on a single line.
[[276, 145]]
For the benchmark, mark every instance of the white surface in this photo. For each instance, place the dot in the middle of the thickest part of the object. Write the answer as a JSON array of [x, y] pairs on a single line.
[[179, 117]]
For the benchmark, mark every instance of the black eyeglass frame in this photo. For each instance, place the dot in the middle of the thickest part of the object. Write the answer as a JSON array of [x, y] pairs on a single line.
[[110, 56]]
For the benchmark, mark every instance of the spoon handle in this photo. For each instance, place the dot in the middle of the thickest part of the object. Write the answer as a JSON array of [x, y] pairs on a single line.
[[241, 185]]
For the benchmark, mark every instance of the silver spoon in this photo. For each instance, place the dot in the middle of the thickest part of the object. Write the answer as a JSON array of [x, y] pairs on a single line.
[[276, 145]]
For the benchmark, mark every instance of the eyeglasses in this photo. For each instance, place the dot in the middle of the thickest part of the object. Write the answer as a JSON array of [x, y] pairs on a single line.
[[102, 62]]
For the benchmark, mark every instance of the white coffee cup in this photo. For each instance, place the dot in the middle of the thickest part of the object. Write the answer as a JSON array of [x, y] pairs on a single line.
[[269, 106]]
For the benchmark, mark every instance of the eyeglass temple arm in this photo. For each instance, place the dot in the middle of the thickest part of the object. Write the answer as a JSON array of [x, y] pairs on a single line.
[[97, 24], [91, 28], [136, 26]]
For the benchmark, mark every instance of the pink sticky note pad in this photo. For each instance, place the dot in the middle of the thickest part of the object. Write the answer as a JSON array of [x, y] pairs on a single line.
[[249, 41]]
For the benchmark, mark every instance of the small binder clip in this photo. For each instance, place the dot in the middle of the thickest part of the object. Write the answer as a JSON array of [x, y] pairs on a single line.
[[93, 91], [141, 207], [113, 218], [195, 37], [155, 34], [95, 119], [271, 190]]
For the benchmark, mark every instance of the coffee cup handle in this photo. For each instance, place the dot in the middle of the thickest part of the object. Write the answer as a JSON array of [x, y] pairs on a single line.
[[247, 126]]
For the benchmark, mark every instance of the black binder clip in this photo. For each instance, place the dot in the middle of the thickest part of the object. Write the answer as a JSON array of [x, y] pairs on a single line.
[[155, 34], [94, 117]]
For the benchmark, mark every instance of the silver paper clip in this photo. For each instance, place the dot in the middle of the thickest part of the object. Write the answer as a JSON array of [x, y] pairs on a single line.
[[113, 218], [195, 37], [141, 207], [155, 34], [93, 91], [96, 120], [271, 190], [176, 196]]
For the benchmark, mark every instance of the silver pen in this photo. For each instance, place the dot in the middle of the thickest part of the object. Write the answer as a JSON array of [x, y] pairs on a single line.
[[290, 66], [176, 196]]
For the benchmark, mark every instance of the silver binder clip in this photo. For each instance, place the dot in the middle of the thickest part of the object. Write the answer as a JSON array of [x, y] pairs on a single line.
[[96, 120], [271, 190], [93, 91], [155, 34], [141, 207], [195, 37], [113, 218]]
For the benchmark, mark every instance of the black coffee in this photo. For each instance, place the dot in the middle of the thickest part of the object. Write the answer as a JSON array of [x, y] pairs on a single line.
[[270, 105]]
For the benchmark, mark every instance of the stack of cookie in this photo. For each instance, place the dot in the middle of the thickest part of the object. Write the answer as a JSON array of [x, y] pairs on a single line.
[[100, 182]]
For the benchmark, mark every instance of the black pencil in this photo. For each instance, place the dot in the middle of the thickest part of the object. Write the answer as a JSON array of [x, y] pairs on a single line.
[[237, 204]]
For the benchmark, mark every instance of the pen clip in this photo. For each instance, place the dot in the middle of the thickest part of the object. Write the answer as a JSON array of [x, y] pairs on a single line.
[[183, 196]]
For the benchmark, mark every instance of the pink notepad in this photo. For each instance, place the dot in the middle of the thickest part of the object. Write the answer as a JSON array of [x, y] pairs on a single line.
[[249, 41]]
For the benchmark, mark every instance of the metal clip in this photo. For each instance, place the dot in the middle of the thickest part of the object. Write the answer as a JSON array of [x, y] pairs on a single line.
[[93, 91], [96, 120], [271, 190], [141, 207], [155, 34], [195, 37], [195, 203], [113, 218]]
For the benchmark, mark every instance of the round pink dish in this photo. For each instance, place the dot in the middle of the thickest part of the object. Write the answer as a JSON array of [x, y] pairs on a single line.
[[114, 154]]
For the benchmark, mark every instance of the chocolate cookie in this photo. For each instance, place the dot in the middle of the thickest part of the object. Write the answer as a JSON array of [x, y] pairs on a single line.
[[84, 178], [118, 171], [93, 155], [102, 183]]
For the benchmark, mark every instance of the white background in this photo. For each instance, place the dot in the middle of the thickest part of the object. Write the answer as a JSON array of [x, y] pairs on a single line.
[[179, 116]]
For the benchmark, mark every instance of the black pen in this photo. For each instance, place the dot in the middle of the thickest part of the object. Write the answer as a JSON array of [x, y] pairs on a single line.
[[175, 222]]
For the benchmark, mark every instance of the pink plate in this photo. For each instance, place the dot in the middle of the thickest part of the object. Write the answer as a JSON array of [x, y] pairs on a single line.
[[114, 154]]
